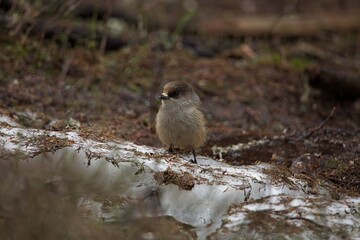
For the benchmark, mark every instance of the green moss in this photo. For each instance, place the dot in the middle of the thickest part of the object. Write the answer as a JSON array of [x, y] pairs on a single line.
[[332, 163], [273, 59], [300, 63]]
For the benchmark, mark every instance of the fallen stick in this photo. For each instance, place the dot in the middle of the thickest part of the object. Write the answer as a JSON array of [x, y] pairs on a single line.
[[317, 128]]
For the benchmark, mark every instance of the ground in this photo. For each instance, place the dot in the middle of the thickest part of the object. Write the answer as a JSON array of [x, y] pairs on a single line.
[[253, 89]]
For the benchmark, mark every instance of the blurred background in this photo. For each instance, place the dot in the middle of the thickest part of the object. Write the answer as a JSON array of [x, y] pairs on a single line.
[[262, 69]]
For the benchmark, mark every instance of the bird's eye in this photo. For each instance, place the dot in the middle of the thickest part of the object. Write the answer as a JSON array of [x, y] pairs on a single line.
[[175, 93]]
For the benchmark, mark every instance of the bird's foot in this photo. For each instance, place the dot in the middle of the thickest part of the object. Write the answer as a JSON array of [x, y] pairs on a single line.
[[194, 160], [171, 148]]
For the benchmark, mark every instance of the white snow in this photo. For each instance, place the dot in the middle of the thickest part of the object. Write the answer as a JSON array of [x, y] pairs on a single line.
[[128, 169]]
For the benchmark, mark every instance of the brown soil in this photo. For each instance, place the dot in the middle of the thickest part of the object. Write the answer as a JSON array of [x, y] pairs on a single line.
[[252, 89], [184, 180]]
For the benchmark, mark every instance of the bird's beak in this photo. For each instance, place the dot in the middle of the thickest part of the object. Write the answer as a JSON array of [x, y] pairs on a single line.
[[164, 96]]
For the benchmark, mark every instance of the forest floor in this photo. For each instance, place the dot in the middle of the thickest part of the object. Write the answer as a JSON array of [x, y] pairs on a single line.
[[279, 84], [253, 89]]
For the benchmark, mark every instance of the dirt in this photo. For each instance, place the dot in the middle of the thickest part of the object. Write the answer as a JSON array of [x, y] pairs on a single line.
[[184, 180], [252, 89]]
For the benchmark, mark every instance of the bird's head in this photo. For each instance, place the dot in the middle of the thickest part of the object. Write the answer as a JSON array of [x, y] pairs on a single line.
[[179, 92]]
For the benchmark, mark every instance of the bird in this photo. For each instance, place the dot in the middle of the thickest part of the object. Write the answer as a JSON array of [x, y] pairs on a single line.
[[180, 121]]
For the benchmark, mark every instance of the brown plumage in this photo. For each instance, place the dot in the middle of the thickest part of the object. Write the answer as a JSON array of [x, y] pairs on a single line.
[[180, 121]]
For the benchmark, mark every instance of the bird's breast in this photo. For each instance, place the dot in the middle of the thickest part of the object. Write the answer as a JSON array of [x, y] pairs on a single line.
[[181, 126]]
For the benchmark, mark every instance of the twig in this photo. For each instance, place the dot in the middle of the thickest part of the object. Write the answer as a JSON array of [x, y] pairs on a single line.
[[312, 131], [104, 37], [61, 78], [307, 220]]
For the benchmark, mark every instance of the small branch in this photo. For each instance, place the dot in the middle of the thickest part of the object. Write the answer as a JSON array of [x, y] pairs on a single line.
[[322, 124], [62, 76], [307, 220]]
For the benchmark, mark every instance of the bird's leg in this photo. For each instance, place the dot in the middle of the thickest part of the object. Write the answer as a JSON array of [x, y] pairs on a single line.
[[193, 152], [171, 148]]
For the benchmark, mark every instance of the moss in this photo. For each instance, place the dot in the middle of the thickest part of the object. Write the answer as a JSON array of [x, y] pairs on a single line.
[[332, 163], [301, 63], [273, 59]]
